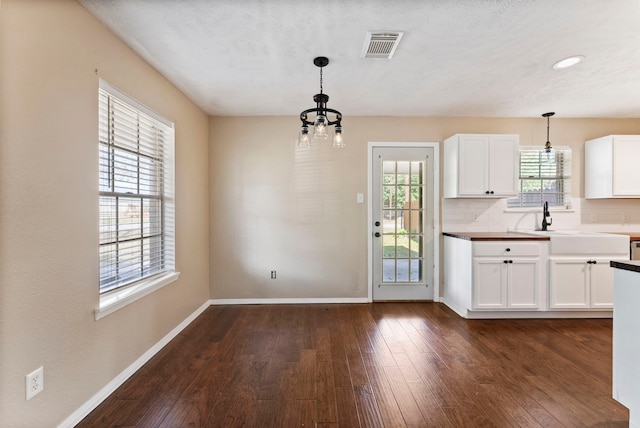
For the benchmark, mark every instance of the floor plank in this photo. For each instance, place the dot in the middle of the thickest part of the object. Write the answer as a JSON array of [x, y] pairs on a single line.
[[370, 365]]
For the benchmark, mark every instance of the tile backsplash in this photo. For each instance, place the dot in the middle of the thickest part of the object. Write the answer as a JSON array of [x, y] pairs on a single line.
[[491, 215]]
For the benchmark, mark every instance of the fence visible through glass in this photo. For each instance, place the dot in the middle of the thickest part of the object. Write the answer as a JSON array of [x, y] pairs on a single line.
[[402, 214]]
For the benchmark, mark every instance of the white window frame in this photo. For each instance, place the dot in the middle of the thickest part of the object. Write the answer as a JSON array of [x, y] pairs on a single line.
[[516, 204], [122, 293]]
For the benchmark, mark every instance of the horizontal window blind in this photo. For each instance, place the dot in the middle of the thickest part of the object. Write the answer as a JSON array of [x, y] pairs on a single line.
[[136, 193], [543, 177]]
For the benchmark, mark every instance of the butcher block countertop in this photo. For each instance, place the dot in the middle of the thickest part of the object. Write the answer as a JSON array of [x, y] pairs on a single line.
[[634, 236], [517, 236], [496, 236]]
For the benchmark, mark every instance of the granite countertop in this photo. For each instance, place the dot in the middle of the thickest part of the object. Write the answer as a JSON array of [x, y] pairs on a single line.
[[496, 236], [632, 265]]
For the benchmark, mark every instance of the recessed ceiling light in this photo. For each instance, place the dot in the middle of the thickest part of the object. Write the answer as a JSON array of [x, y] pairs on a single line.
[[568, 62]]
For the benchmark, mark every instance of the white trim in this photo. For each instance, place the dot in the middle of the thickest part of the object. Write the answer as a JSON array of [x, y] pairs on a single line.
[[541, 148], [553, 209], [118, 299], [436, 212], [288, 301], [112, 90], [109, 388]]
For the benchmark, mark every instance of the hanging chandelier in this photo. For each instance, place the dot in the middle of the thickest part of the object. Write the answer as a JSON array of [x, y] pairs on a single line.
[[547, 145], [321, 122]]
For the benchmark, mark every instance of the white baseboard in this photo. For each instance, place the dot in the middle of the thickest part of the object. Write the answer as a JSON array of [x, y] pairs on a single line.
[[109, 388], [303, 300]]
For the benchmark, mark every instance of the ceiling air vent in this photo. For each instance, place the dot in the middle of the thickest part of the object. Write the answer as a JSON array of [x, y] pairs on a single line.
[[381, 44]]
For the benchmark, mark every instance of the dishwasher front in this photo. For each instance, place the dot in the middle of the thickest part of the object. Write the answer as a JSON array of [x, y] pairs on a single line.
[[635, 250]]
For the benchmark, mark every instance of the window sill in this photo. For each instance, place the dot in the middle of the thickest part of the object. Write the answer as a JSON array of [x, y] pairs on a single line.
[[567, 209], [118, 299]]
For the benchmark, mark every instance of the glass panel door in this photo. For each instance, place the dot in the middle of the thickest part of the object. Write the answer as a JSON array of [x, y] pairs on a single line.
[[403, 268]]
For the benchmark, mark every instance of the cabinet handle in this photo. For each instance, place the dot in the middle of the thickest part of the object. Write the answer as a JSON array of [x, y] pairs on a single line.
[[594, 261]]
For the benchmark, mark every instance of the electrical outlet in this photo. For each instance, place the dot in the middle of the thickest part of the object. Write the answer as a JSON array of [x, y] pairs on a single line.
[[273, 274], [34, 382]]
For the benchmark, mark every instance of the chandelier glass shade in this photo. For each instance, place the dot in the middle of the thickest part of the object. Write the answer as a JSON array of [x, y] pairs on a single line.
[[322, 121]]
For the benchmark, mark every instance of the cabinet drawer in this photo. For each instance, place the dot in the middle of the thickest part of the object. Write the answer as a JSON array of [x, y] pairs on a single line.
[[506, 248]]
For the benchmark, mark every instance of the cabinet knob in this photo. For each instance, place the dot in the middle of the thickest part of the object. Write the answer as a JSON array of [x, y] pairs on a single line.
[[491, 192], [377, 234], [508, 249], [487, 192], [505, 261], [510, 261], [377, 223]]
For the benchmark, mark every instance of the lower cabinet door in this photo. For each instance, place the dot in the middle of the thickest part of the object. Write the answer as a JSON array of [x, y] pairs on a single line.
[[489, 283], [601, 280], [523, 290], [569, 284]]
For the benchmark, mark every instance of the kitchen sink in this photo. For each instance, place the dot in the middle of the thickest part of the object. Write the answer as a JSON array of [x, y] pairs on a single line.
[[582, 242]]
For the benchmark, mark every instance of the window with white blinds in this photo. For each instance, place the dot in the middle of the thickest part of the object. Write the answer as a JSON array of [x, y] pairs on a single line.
[[544, 177], [136, 191]]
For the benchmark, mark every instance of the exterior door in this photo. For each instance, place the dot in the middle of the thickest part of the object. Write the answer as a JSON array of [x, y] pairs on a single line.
[[403, 223]]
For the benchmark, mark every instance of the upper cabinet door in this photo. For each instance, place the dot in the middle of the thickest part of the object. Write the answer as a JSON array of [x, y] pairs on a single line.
[[611, 167], [480, 165], [473, 164], [503, 166], [626, 172]]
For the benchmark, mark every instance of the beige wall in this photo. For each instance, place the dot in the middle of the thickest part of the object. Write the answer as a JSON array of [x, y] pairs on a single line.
[[271, 206], [276, 207], [52, 54]]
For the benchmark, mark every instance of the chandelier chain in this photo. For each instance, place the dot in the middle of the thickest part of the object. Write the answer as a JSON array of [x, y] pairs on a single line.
[[321, 80]]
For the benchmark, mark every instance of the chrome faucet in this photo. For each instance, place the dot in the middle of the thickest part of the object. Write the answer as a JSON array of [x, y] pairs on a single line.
[[545, 215]]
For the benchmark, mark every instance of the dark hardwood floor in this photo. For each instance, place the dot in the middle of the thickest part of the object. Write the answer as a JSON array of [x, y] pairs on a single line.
[[371, 365]]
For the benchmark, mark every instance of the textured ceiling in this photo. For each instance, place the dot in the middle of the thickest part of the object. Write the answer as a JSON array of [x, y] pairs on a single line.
[[487, 58]]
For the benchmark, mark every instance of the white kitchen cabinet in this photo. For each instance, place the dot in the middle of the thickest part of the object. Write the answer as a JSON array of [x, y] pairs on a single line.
[[626, 346], [611, 167], [581, 283], [506, 275], [481, 165]]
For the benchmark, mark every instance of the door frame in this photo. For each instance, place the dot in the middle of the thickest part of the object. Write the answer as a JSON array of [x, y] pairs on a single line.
[[436, 211]]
